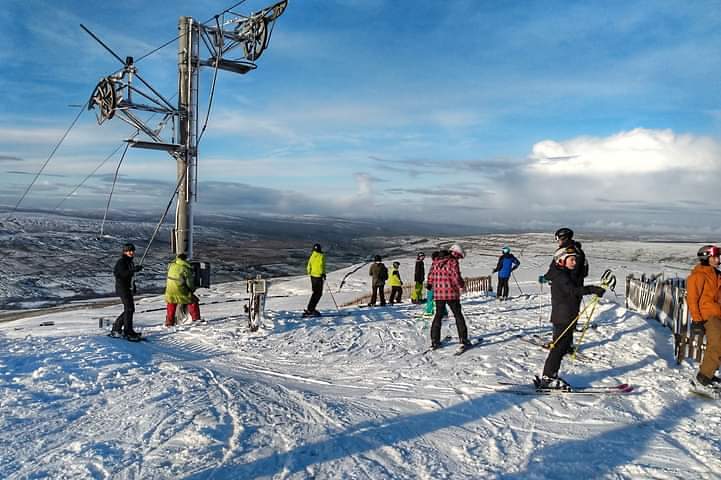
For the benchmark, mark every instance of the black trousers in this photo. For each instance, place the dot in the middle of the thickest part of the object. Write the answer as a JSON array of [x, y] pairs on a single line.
[[396, 293], [502, 291], [560, 348], [455, 306], [124, 322], [378, 291], [316, 284]]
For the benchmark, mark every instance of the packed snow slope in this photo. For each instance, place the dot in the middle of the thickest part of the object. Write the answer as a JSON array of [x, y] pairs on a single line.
[[355, 394]]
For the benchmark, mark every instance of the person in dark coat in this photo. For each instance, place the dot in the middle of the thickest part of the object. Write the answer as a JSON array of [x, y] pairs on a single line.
[[379, 274], [419, 276], [565, 305], [446, 282], [564, 237], [124, 271], [507, 263]]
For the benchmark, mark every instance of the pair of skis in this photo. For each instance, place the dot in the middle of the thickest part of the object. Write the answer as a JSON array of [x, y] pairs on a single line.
[[460, 350], [529, 389]]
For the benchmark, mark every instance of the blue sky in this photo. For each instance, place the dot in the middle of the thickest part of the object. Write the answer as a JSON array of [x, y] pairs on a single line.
[[600, 115]]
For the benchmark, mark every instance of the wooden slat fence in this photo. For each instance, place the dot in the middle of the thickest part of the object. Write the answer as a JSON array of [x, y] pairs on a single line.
[[665, 301], [473, 285]]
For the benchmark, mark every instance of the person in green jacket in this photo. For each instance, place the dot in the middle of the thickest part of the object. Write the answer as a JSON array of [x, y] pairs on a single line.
[[394, 280], [179, 290], [316, 272]]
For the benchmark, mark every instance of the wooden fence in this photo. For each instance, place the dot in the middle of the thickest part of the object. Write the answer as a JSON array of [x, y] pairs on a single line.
[[473, 285], [665, 301]]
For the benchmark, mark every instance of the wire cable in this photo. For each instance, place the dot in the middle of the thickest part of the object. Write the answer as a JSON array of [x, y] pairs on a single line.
[[112, 189], [212, 94], [52, 154], [162, 219], [90, 175], [178, 36]]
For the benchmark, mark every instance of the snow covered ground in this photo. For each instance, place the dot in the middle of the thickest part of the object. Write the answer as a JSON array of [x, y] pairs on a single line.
[[355, 394]]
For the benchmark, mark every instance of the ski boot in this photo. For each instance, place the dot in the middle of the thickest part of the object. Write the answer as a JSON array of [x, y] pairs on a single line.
[[551, 383], [707, 387], [133, 336]]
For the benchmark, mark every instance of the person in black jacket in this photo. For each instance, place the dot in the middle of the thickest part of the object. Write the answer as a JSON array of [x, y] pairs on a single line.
[[419, 276], [565, 305], [124, 271], [564, 237], [379, 274]]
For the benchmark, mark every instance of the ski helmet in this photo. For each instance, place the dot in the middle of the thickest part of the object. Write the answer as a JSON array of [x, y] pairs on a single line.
[[396, 264], [317, 248], [506, 250], [377, 258], [563, 253], [564, 233], [457, 250], [707, 251], [421, 255], [128, 247]]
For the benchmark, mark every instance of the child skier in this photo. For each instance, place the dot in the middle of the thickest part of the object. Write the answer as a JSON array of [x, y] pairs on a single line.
[[507, 263], [565, 305], [419, 276], [394, 280], [446, 282], [316, 271]]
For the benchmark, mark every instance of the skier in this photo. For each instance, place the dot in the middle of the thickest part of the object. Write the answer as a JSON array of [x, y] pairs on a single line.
[[394, 280], [179, 288], [419, 277], [702, 287], [316, 272], [564, 237], [379, 272], [565, 305], [507, 263], [446, 282], [124, 271]]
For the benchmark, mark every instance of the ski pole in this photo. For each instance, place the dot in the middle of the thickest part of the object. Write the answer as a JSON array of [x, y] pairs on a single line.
[[540, 307], [572, 324], [608, 281], [594, 301], [331, 296], [519, 287]]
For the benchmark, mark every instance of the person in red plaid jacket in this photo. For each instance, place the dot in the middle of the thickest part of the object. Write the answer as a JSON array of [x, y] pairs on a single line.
[[445, 279]]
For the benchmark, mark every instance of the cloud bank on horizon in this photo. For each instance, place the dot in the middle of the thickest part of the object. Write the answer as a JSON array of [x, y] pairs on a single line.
[[520, 116]]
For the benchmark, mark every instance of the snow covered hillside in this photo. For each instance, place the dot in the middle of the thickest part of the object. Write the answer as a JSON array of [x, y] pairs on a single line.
[[356, 394]]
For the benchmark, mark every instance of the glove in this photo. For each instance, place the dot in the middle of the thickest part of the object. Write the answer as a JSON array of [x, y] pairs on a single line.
[[323, 276], [137, 268], [594, 290]]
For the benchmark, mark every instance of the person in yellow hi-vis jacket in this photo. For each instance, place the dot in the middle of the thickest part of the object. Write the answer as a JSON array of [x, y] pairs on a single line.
[[179, 290], [316, 272], [394, 280]]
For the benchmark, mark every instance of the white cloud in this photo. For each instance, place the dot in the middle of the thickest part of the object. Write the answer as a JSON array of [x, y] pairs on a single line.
[[365, 183], [633, 152]]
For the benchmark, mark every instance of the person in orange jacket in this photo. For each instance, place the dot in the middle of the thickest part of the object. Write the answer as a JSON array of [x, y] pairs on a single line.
[[702, 289]]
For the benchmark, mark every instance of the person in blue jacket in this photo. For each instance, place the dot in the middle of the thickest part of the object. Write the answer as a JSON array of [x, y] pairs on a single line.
[[507, 263]]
